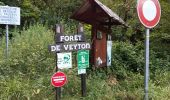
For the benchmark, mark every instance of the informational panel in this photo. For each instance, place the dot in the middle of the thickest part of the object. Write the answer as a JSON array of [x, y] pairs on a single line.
[[99, 48], [9, 15], [109, 52], [64, 60], [81, 71], [83, 59]]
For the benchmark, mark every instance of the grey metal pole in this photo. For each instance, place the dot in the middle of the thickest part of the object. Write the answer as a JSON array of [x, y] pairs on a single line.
[[147, 65], [7, 38]]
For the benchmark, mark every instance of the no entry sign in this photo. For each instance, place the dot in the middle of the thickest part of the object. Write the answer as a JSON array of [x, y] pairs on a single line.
[[58, 79], [149, 12]]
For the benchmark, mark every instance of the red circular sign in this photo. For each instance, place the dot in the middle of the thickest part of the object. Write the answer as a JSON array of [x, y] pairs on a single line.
[[58, 79], [149, 12]]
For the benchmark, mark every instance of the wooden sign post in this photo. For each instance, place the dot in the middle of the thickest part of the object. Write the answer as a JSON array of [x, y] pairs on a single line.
[[58, 89], [65, 43], [82, 75]]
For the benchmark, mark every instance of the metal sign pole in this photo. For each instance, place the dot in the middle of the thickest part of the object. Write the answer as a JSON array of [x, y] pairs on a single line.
[[145, 14], [7, 38], [147, 65]]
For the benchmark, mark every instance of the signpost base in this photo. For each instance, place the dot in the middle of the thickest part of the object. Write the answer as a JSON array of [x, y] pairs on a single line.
[[58, 93], [83, 84]]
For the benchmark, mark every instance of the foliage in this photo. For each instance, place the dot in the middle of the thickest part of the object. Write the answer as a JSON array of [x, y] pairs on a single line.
[[44, 11], [57, 11], [26, 48], [1, 3], [25, 75], [127, 57]]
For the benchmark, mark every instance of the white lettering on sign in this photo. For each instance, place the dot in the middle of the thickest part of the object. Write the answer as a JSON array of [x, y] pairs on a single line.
[[58, 77], [70, 38], [9, 15], [69, 47], [83, 46], [61, 79], [55, 48]]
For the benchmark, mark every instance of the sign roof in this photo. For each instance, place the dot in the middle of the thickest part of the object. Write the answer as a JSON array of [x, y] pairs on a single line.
[[94, 12]]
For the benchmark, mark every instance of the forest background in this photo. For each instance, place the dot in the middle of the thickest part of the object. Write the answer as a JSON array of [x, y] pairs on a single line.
[[25, 75]]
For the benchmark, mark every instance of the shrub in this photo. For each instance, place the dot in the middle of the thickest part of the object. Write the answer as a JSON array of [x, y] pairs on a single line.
[[127, 57], [28, 65]]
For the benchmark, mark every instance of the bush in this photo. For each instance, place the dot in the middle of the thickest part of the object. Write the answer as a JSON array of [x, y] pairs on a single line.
[[25, 75], [28, 51], [127, 57], [29, 60]]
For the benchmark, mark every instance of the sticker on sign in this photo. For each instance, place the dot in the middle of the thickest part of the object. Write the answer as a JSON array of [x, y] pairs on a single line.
[[64, 60], [81, 71], [9, 15]]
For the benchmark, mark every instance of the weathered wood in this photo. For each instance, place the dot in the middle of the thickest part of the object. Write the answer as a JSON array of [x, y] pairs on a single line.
[[99, 49], [83, 76], [58, 89], [94, 12]]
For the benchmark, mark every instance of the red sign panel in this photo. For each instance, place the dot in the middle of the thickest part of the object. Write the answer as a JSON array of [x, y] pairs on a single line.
[[149, 12], [58, 79]]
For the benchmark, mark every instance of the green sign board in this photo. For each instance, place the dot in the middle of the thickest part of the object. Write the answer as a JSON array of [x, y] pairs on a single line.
[[83, 59]]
